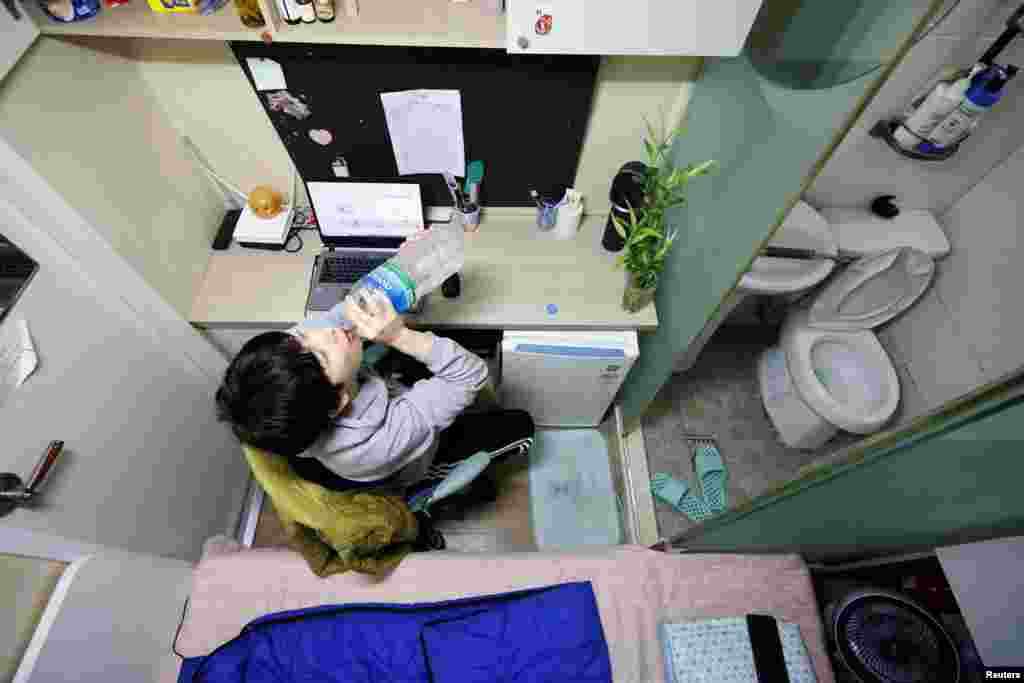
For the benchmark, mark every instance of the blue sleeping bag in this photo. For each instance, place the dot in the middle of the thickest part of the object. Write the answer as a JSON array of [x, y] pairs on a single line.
[[545, 634]]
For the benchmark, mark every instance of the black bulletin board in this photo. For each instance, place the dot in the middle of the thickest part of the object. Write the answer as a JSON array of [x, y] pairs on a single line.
[[523, 115]]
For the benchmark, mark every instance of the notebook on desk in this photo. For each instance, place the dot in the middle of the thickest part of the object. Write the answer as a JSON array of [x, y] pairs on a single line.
[[361, 226]]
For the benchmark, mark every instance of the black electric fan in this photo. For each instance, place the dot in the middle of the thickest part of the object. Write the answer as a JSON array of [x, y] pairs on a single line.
[[885, 637]]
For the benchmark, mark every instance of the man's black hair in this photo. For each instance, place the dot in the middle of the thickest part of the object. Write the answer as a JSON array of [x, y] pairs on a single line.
[[276, 395]]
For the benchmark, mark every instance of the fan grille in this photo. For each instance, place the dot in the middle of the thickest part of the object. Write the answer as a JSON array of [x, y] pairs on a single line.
[[894, 642]]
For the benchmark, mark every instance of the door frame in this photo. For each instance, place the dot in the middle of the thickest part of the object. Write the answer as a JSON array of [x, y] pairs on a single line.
[[86, 562], [34, 544]]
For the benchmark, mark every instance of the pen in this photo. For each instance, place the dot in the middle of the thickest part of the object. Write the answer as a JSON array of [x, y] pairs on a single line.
[[453, 188]]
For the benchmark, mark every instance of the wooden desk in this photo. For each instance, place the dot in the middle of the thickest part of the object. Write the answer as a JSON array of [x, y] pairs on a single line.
[[511, 276]]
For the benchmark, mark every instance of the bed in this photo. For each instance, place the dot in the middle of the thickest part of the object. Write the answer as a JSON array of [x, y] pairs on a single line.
[[636, 589]]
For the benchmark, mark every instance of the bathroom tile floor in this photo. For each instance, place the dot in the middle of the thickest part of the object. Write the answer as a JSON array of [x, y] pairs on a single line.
[[719, 395]]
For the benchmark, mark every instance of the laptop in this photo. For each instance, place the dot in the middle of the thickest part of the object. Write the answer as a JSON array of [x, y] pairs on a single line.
[[361, 226]]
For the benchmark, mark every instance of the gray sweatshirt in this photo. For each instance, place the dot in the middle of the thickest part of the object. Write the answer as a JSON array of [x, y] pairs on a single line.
[[377, 435]]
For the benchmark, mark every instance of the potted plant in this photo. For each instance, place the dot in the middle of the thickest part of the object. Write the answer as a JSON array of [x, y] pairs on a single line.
[[648, 238]]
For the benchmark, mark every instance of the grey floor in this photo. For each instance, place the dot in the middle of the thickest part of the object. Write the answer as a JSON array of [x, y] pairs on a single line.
[[719, 395]]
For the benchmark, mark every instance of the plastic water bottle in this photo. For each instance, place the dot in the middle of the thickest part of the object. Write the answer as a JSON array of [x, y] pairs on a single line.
[[419, 267]]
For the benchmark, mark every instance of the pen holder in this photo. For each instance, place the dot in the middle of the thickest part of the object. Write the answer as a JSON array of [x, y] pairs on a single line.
[[567, 222], [471, 217], [547, 214]]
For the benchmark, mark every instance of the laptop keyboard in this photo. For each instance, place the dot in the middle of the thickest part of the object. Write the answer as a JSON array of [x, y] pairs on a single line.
[[348, 268]]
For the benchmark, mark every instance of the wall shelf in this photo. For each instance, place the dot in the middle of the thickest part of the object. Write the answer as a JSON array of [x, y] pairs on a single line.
[[137, 20], [425, 23], [884, 131]]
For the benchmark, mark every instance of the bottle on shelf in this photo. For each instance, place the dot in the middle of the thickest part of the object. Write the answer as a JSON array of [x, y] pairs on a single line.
[[67, 11], [324, 10], [250, 14], [306, 12], [207, 7], [983, 93], [290, 11], [419, 267], [937, 105]]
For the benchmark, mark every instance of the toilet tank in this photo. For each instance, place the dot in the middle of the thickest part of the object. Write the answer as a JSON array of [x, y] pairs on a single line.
[[859, 232]]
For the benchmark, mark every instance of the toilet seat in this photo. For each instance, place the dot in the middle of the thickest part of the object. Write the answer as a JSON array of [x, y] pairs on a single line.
[[873, 290], [846, 377], [838, 366]]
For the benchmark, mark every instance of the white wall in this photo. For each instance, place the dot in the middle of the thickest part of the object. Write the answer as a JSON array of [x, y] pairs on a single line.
[[146, 466], [969, 329], [122, 378], [863, 167], [627, 90], [205, 95], [82, 115]]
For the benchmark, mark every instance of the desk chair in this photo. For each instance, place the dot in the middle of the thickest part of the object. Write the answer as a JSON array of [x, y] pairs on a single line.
[[365, 530], [368, 530]]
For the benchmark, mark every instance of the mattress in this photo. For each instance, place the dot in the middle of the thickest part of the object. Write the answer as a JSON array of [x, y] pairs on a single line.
[[637, 589]]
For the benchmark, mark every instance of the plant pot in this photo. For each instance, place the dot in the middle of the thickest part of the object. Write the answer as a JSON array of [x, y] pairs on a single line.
[[635, 297]]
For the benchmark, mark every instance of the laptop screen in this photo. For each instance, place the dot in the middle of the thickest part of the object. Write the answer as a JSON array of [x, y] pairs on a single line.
[[353, 214]]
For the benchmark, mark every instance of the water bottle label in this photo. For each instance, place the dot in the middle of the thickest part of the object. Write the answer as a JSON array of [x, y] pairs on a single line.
[[395, 283]]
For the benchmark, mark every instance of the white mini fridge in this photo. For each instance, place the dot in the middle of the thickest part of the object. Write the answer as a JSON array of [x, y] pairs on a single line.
[[565, 379]]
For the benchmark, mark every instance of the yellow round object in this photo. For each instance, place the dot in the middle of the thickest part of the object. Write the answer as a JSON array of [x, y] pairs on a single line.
[[266, 202]]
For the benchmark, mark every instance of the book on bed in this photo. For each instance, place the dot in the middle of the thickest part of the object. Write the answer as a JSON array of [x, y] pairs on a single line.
[[748, 649]]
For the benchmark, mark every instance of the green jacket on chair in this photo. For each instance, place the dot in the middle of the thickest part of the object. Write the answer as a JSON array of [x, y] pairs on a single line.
[[366, 530]]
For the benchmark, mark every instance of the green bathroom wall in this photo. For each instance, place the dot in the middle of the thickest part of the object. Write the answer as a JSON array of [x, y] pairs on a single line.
[[961, 483], [767, 134]]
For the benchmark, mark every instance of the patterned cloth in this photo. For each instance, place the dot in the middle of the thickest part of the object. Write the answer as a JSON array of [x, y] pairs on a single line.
[[719, 651]]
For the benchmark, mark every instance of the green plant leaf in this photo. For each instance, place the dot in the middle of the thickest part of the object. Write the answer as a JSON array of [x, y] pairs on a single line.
[[633, 222], [644, 234], [651, 133], [660, 255], [647, 235], [652, 155], [701, 169], [619, 227]]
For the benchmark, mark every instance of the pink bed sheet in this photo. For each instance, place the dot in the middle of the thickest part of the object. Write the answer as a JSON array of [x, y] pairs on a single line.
[[636, 589]]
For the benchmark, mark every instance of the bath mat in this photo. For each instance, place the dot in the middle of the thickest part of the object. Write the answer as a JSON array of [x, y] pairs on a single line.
[[572, 497]]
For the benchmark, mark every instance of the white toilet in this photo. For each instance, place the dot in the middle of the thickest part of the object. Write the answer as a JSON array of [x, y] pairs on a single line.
[[829, 371]]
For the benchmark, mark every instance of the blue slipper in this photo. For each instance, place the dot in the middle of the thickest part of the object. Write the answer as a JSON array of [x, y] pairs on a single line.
[[678, 494], [712, 475]]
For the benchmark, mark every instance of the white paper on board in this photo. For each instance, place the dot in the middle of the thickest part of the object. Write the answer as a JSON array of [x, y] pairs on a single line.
[[18, 358], [426, 131], [266, 73]]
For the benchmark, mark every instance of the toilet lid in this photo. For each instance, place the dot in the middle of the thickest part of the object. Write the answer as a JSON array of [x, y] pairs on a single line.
[[873, 290]]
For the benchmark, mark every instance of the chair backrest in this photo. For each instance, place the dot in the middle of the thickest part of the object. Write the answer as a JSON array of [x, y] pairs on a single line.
[[351, 523], [292, 495]]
